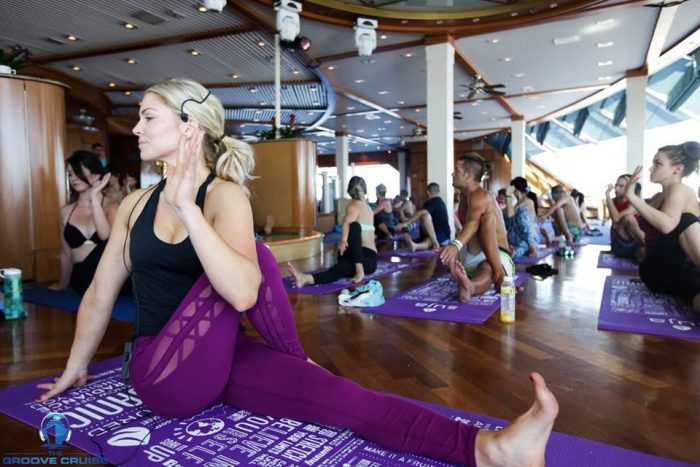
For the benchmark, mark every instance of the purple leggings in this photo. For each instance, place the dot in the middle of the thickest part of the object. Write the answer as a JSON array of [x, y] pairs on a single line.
[[199, 358]]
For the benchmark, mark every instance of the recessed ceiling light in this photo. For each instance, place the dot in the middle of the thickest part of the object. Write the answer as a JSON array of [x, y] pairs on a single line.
[[463, 96], [360, 131], [381, 93], [605, 63], [401, 127], [493, 119], [129, 26], [404, 21], [127, 93], [484, 113], [258, 112], [374, 135], [476, 20], [507, 59], [514, 14], [566, 40], [295, 72], [130, 61], [439, 21], [235, 76], [194, 52], [407, 55], [263, 103], [351, 107], [331, 67], [475, 103], [400, 102], [261, 43], [528, 88], [387, 121], [344, 125], [313, 89], [605, 44], [604, 78], [359, 81], [256, 119], [202, 9], [383, 36], [75, 68], [417, 110], [253, 89], [518, 75], [494, 40], [605, 22], [316, 103], [112, 84], [71, 37], [553, 5]]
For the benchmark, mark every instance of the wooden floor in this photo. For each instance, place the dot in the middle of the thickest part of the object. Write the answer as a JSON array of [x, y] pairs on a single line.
[[634, 391]]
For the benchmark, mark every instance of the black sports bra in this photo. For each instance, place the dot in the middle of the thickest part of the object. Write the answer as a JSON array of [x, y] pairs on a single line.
[[74, 236]]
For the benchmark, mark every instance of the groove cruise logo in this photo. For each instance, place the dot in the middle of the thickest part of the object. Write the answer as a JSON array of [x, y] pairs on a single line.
[[55, 430]]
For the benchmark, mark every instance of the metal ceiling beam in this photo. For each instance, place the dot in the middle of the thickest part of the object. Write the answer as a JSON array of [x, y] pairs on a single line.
[[213, 85], [120, 48], [661, 30], [373, 105]]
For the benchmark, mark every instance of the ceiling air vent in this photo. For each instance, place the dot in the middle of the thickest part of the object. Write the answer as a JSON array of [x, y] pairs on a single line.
[[149, 18]]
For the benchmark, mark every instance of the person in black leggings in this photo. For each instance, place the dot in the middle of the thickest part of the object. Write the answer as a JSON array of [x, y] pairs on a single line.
[[357, 254], [670, 222]]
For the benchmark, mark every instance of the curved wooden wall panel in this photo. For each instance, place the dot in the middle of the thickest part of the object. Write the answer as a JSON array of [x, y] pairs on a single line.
[[32, 174], [15, 228], [286, 187]]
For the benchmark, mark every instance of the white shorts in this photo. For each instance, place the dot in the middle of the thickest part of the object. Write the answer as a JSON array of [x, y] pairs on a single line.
[[471, 262]]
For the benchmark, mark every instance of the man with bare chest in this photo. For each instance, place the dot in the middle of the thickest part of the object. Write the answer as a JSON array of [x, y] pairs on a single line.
[[478, 257]]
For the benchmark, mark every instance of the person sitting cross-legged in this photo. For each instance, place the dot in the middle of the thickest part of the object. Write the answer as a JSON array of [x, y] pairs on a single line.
[[478, 257], [434, 223]]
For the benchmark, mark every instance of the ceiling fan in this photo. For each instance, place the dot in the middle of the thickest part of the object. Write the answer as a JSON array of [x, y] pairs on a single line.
[[479, 86], [457, 115]]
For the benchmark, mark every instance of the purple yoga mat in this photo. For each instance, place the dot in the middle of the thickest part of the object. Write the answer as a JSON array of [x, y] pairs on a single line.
[[629, 306], [383, 268], [395, 238], [437, 299], [542, 252], [610, 261], [106, 414], [406, 253]]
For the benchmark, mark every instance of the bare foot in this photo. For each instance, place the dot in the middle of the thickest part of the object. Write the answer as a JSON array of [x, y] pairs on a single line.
[[300, 279], [533, 251], [409, 241], [359, 273], [523, 442], [466, 287], [269, 223]]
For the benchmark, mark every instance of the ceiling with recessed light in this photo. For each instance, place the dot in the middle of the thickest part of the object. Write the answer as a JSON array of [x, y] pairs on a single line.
[[546, 57]]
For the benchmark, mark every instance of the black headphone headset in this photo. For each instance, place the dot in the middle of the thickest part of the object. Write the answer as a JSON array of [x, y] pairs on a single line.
[[183, 116]]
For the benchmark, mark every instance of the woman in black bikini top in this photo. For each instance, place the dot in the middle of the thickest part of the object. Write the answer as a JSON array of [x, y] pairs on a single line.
[[86, 221]]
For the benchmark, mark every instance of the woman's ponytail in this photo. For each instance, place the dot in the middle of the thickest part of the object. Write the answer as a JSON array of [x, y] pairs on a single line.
[[236, 162]]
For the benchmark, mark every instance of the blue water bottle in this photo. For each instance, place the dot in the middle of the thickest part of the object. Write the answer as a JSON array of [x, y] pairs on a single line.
[[12, 288]]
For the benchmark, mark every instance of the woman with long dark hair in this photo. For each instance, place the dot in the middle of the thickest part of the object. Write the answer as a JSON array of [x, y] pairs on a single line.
[[86, 222], [521, 219]]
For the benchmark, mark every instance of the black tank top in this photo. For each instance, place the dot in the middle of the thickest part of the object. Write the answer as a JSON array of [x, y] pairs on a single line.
[[162, 272]]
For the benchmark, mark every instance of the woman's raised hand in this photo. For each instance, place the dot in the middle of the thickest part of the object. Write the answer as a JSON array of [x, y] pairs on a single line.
[[100, 185], [636, 175], [180, 191], [67, 380]]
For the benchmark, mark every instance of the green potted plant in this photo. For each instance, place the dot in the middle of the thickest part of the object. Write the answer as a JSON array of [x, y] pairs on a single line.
[[285, 132], [13, 60]]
